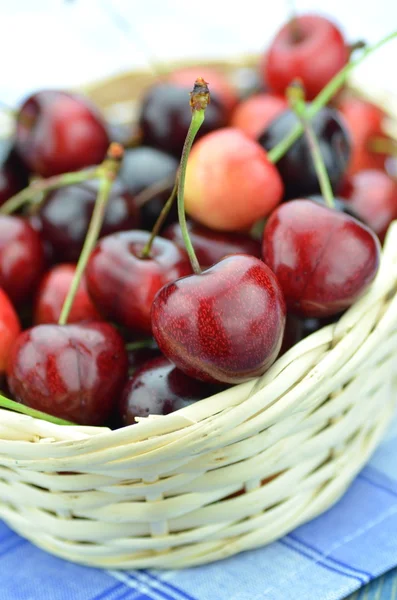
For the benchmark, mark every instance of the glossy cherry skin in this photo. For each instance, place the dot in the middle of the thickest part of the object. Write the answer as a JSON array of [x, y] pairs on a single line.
[[230, 182], [159, 388], [296, 167], [123, 285], [66, 213], [323, 259], [210, 246], [165, 117], [21, 258], [373, 196], [364, 122], [59, 132], [75, 372], [224, 325], [255, 113], [10, 328], [52, 293], [314, 55], [143, 167], [13, 174]]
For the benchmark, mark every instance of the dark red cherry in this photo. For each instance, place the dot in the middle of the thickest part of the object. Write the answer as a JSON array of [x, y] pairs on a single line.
[[210, 246], [52, 293], [13, 174], [296, 167], [373, 196], [59, 132], [310, 48], [224, 325], [166, 115], [123, 285], [10, 328], [143, 167], [21, 258], [66, 213], [75, 372], [159, 388], [323, 259]]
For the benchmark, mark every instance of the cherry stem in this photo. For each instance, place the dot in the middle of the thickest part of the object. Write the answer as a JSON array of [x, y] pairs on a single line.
[[152, 190], [31, 412], [160, 222], [323, 98], [107, 173], [40, 186], [296, 98], [383, 145]]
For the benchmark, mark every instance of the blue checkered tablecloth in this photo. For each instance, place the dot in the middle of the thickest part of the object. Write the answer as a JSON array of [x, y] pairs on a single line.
[[326, 559]]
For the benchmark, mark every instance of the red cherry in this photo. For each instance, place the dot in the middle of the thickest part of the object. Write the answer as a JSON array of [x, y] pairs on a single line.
[[75, 372], [123, 285], [59, 132], [311, 49], [13, 174], [253, 115], [230, 182], [373, 196], [9, 329], [226, 324], [159, 388], [210, 246], [21, 257], [364, 122], [323, 259], [52, 293]]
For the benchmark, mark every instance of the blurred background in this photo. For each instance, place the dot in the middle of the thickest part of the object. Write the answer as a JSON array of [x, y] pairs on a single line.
[[67, 43]]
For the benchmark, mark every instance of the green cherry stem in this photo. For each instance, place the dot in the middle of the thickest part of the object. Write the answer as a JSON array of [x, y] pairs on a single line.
[[199, 100], [107, 173], [323, 98], [296, 99], [147, 343], [160, 221], [31, 412]]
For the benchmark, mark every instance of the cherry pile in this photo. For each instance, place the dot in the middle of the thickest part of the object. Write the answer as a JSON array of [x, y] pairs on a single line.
[[113, 306]]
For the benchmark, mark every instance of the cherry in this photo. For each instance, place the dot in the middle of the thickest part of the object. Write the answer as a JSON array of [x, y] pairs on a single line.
[[58, 132], [165, 117], [75, 372], [123, 285], [255, 113], [13, 174], [66, 213], [225, 324], [10, 328], [311, 49], [142, 168], [296, 167], [21, 258], [373, 196], [52, 293], [159, 388], [210, 246], [364, 121], [339, 204], [323, 259], [230, 182]]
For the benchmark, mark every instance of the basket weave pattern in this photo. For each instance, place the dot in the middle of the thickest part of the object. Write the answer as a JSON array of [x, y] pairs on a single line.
[[225, 474]]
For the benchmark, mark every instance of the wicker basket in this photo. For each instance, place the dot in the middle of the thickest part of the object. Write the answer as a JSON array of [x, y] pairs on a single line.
[[225, 474]]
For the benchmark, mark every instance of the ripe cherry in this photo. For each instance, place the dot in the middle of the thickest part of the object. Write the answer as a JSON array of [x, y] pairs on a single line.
[[10, 328], [230, 182], [210, 246], [323, 259], [142, 168], [123, 285], [66, 213], [75, 372], [21, 258], [59, 132], [52, 293], [373, 196], [13, 174], [296, 167], [225, 324], [254, 115], [165, 117], [159, 388], [310, 48]]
